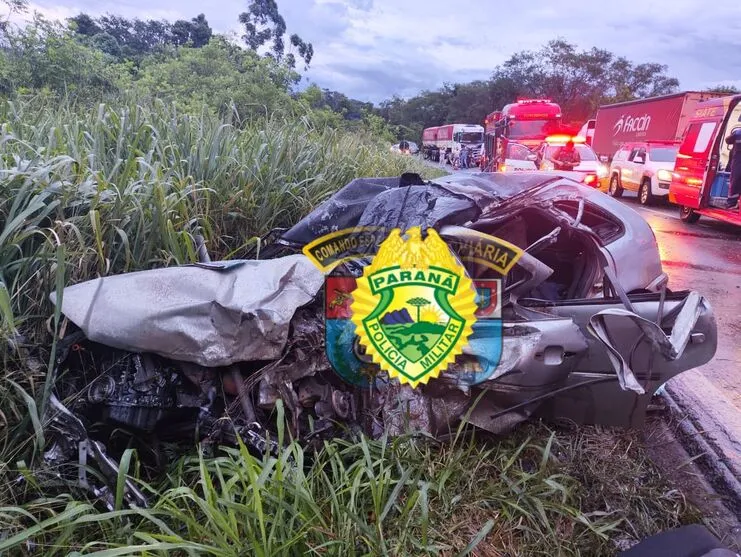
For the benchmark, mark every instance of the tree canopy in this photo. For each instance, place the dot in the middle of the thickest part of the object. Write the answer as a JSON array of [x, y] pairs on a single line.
[[264, 24], [187, 63], [579, 80], [133, 39]]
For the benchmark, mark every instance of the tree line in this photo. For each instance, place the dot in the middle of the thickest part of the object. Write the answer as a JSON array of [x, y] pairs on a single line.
[[91, 58], [578, 80]]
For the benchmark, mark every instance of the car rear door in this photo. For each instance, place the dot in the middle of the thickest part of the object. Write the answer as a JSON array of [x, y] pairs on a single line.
[[628, 178], [603, 401], [639, 166], [692, 163], [516, 158]]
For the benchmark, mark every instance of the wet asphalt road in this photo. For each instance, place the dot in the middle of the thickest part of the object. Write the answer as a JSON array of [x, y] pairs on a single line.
[[706, 257]]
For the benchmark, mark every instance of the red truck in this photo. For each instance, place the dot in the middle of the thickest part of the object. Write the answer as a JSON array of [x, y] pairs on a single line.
[[654, 119], [527, 122]]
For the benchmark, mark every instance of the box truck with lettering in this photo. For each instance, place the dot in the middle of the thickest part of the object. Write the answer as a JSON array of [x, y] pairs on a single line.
[[661, 118]]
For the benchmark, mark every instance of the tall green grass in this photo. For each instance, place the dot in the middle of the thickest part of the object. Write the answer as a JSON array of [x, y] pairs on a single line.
[[126, 187], [85, 193], [535, 493]]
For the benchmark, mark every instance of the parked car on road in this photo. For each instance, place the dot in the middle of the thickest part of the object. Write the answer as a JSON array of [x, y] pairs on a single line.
[[644, 167], [589, 164], [405, 148]]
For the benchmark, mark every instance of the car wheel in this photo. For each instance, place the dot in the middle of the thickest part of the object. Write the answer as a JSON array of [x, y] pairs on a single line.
[[615, 190], [688, 215], [644, 193]]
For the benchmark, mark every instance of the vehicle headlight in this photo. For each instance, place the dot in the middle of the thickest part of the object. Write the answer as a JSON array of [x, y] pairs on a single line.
[[601, 172], [664, 175]]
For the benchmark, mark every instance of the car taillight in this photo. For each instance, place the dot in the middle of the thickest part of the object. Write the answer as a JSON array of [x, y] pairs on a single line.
[[590, 179]]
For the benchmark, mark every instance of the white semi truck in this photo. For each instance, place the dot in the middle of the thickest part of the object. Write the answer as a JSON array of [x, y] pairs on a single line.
[[446, 141]]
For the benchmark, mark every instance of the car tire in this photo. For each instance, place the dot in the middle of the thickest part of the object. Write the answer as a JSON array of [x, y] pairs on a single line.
[[645, 197], [688, 215], [615, 190]]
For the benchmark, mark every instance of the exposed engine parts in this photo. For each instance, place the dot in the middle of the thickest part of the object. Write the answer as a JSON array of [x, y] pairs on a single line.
[[588, 330]]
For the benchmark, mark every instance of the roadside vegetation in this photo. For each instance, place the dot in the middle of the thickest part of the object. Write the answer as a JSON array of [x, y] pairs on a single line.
[[120, 142], [537, 492]]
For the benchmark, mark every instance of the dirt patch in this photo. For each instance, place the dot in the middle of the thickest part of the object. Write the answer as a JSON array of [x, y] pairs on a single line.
[[680, 468]]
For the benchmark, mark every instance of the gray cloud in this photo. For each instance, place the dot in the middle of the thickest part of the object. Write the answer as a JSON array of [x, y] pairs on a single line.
[[454, 41], [365, 5], [372, 49]]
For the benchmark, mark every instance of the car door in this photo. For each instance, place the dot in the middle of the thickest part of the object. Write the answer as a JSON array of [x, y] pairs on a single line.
[[603, 401], [692, 163], [519, 157], [639, 167], [627, 171]]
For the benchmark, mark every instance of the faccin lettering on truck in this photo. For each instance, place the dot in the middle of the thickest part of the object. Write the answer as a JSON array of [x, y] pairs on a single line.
[[661, 118], [628, 123]]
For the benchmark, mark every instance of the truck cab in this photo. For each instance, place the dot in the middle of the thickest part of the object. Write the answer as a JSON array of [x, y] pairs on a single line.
[[527, 122], [469, 135], [701, 177]]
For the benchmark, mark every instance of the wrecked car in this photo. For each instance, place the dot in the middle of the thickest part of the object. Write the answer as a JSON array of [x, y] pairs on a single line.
[[589, 330]]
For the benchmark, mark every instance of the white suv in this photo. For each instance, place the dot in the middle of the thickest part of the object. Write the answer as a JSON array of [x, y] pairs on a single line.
[[644, 167]]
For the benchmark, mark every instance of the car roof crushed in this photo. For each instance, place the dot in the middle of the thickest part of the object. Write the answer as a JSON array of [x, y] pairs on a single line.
[[222, 343]]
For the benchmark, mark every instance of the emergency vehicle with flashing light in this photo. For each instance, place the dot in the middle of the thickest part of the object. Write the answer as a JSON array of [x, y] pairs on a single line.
[[527, 122], [589, 165], [701, 176]]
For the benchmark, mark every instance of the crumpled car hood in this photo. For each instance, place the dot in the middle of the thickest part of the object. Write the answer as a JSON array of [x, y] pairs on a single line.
[[209, 314]]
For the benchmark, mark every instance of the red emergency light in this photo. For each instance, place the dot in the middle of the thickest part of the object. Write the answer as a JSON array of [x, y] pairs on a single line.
[[563, 138]]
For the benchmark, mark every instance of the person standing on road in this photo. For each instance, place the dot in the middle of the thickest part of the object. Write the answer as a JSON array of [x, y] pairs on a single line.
[[734, 189], [566, 157], [464, 157]]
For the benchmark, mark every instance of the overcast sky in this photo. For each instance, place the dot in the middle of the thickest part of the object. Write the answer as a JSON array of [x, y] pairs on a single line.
[[373, 49]]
